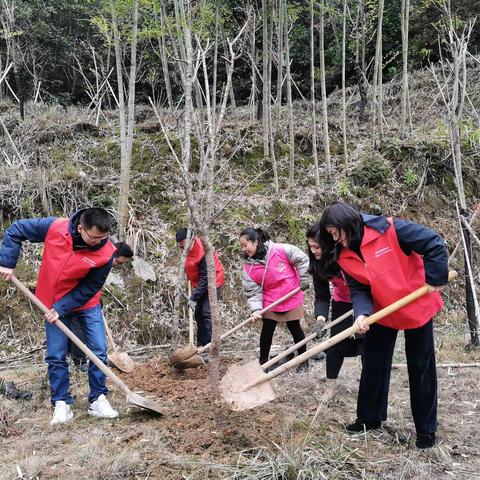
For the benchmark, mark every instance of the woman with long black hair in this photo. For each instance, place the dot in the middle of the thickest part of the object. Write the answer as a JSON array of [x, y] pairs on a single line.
[[384, 259], [326, 272]]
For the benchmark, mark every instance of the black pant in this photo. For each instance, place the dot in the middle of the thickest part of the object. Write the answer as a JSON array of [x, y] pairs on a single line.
[[266, 336], [203, 317], [422, 375], [77, 355], [334, 364], [349, 347]]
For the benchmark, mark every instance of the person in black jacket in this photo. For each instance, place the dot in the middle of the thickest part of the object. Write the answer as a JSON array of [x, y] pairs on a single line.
[[339, 300]]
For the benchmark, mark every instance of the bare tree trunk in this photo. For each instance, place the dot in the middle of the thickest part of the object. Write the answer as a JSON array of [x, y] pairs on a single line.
[[326, 139], [121, 107], [8, 21], [127, 154], [253, 56], [312, 95], [280, 37], [163, 58], [205, 179], [404, 21], [268, 153], [291, 131], [215, 65], [454, 99], [344, 88], [360, 68], [377, 103]]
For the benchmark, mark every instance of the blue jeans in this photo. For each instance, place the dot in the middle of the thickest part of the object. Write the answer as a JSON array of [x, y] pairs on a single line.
[[57, 347]]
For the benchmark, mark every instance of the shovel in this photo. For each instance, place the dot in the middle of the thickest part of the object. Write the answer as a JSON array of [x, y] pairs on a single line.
[[190, 317], [121, 360], [131, 397], [189, 356], [248, 386]]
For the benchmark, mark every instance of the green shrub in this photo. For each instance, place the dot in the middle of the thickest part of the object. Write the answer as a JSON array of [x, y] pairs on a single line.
[[372, 171]]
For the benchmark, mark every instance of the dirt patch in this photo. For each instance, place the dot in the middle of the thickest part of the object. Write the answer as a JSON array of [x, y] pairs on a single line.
[[195, 425]]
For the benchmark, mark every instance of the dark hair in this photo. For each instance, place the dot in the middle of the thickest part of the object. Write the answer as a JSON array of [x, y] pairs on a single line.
[[260, 236], [96, 217], [181, 234], [326, 267], [344, 217], [123, 250]]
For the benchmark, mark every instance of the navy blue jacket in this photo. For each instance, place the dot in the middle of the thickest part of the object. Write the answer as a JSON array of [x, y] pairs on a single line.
[[35, 230], [412, 237]]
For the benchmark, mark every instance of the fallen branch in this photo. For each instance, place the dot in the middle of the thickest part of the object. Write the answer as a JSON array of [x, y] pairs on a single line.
[[443, 365]]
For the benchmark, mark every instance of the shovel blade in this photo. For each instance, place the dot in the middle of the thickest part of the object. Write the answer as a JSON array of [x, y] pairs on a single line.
[[232, 387], [122, 361], [181, 355], [144, 403]]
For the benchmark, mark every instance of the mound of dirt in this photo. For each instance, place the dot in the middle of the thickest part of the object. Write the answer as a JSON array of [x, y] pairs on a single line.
[[195, 425]]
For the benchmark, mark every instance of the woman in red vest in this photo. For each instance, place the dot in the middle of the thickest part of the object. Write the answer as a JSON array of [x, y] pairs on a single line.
[[271, 271], [196, 271], [384, 259], [340, 301]]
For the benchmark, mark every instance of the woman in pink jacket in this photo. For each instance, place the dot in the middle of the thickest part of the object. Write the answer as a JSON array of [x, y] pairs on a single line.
[[271, 271]]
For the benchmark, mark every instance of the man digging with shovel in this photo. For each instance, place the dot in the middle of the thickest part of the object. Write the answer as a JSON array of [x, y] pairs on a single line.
[[196, 271], [77, 258]]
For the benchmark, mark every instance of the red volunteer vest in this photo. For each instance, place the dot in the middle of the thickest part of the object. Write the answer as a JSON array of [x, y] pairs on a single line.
[[63, 268], [193, 259], [391, 275]]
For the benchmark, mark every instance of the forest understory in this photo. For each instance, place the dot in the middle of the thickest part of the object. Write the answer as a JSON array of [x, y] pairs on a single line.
[[67, 162]]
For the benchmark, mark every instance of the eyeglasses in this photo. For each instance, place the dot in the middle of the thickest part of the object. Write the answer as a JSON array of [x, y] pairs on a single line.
[[92, 237]]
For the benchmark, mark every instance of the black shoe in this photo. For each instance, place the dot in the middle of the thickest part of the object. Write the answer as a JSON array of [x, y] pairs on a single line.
[[425, 440], [285, 359], [10, 391], [320, 356], [303, 367], [81, 365], [358, 426]]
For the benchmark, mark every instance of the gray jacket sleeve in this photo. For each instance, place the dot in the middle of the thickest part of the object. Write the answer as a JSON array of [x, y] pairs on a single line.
[[298, 259], [253, 292]]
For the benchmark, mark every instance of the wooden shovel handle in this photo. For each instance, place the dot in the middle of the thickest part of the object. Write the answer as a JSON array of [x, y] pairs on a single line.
[[72, 337], [190, 316], [301, 343], [111, 341], [250, 319], [346, 333]]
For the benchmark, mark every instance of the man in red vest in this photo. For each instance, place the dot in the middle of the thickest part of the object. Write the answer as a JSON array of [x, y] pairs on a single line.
[[196, 271], [77, 258]]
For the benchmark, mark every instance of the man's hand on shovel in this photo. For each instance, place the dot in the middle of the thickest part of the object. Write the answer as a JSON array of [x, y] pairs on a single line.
[[52, 316], [6, 273]]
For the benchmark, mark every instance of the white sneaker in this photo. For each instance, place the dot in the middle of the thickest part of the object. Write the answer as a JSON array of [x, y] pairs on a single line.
[[62, 413], [101, 408]]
